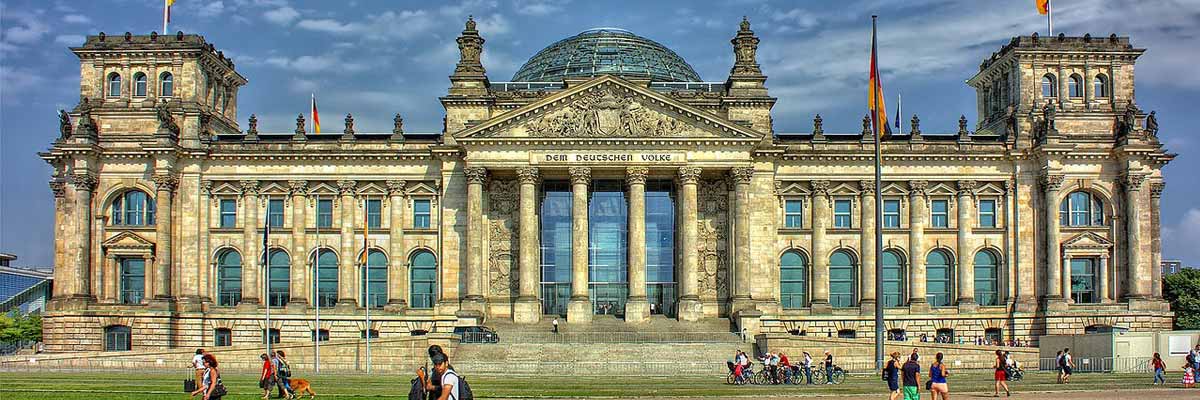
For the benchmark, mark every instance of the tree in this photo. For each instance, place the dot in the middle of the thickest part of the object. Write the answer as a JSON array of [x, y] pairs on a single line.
[[1182, 290], [17, 327]]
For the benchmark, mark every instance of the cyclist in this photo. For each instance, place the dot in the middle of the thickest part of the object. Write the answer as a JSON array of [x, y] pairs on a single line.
[[807, 363], [786, 366]]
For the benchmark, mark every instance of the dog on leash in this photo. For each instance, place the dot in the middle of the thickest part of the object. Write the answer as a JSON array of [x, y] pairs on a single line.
[[302, 386]]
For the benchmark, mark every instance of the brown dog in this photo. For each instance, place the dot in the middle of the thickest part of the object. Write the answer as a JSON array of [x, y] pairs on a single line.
[[302, 386]]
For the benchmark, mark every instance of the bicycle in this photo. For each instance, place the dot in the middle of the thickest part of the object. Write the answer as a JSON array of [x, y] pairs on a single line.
[[838, 376]]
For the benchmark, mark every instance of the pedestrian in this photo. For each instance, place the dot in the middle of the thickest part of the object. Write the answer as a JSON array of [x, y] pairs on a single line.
[[198, 364], [266, 379], [1067, 365], [937, 375], [210, 379], [914, 354], [434, 386], [1159, 368], [283, 375], [828, 368], [1058, 364], [808, 360], [1195, 353], [448, 381], [1189, 376], [555, 323], [911, 376], [891, 375], [744, 335], [1000, 375]]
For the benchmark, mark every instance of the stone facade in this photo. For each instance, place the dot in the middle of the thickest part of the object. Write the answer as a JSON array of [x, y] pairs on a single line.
[[458, 211]]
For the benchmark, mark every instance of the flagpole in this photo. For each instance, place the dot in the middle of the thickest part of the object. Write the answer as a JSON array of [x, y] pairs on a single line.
[[367, 277], [317, 295], [1050, 16], [899, 112], [266, 277], [878, 222], [166, 15]]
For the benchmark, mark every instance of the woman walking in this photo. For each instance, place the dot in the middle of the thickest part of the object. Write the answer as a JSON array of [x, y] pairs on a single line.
[[937, 374], [891, 374], [1159, 366], [1000, 375], [266, 380], [210, 381]]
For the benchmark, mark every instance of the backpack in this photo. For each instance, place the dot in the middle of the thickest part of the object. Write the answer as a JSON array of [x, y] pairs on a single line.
[[464, 390], [417, 392], [285, 370]]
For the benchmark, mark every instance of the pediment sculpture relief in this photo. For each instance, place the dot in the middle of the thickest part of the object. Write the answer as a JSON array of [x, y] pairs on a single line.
[[606, 112]]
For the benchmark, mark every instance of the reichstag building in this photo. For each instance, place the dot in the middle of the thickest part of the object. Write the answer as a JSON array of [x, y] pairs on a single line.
[[606, 180]]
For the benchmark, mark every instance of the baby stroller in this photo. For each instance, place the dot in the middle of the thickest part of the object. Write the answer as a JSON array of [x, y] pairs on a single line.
[[1014, 373]]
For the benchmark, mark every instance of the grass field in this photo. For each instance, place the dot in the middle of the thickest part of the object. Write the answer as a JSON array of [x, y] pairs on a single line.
[[43, 385]]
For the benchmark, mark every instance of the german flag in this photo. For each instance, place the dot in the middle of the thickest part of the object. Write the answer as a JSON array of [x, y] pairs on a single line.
[[1043, 6], [875, 93]]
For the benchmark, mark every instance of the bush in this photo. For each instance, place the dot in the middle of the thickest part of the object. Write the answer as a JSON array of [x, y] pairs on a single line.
[[17, 328], [1182, 290]]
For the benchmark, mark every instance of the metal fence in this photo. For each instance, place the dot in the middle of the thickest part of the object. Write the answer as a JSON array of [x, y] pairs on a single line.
[[542, 337], [1100, 364]]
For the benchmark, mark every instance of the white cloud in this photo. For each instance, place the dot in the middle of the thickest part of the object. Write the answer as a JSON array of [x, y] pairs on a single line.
[[282, 15], [540, 8], [29, 29], [328, 25], [208, 9], [1179, 240], [15, 80], [76, 19], [312, 64], [70, 40]]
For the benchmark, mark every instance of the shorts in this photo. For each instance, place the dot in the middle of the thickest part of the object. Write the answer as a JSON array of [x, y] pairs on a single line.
[[940, 388], [266, 383], [912, 393], [893, 386], [1001, 375], [1067, 370]]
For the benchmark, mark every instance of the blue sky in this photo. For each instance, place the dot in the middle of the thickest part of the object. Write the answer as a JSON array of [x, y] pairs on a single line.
[[376, 58]]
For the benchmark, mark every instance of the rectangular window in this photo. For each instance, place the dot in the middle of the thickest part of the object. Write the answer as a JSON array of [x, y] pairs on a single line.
[[374, 213], [841, 214], [222, 337], [325, 213], [1083, 280], [421, 214], [891, 213], [793, 213], [939, 212], [133, 280], [320, 335], [228, 213], [987, 213], [275, 213], [272, 334]]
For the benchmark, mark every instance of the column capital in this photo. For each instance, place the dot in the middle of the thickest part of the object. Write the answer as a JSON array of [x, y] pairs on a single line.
[[249, 187], [1133, 181], [866, 187], [346, 187], [475, 175], [528, 175], [58, 187], [820, 187], [165, 181], [917, 187], [1009, 187], [966, 187], [85, 181], [207, 186], [1053, 182], [298, 187], [395, 187], [580, 175], [689, 175], [1156, 189], [636, 175], [741, 175]]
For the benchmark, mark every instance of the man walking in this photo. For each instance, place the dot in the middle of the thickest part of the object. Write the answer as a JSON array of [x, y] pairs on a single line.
[[911, 376], [449, 379], [198, 364], [1067, 365], [555, 323]]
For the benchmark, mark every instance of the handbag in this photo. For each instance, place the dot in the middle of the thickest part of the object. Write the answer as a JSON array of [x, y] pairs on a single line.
[[219, 391], [189, 385], [929, 384]]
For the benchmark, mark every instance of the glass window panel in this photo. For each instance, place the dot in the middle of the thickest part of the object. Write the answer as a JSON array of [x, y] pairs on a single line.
[[793, 280], [793, 213], [133, 280], [168, 85], [555, 226], [891, 213], [421, 214], [987, 213], [374, 280], [139, 85], [326, 281], [279, 272], [374, 213], [229, 278], [986, 279], [324, 213], [228, 213], [424, 280], [939, 211], [937, 278], [117, 338], [841, 213], [222, 337], [893, 279], [660, 233], [114, 85], [275, 213], [1083, 280], [1048, 87], [841, 280]]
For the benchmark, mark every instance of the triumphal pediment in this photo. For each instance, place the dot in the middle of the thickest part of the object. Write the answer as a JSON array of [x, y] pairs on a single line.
[[609, 107]]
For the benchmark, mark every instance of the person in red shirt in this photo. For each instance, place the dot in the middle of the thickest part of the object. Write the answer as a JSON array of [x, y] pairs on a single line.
[[266, 380], [1159, 366], [788, 369]]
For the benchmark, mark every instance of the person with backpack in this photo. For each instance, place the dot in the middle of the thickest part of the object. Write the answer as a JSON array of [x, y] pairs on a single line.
[[891, 375], [283, 375], [453, 386], [1066, 365]]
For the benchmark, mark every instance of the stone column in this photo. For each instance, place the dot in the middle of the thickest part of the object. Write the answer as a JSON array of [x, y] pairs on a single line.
[[867, 247], [347, 297], [740, 178], [300, 256], [690, 308], [579, 308], [1156, 191], [250, 257], [820, 258], [1061, 80], [1105, 295], [58, 186], [966, 246], [397, 275], [164, 189], [1066, 279], [637, 307], [918, 212], [474, 301], [1088, 96], [205, 261], [1136, 277], [79, 284], [528, 310], [1054, 268], [111, 269]]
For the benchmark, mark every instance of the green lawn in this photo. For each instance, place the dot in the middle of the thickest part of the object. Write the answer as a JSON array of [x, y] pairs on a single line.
[[126, 385]]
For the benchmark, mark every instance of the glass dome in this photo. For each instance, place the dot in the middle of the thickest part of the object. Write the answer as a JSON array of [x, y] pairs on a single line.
[[606, 51]]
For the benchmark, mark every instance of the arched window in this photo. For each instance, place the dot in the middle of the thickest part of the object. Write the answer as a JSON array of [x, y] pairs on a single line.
[[374, 279], [114, 85], [168, 85], [1049, 86], [1075, 86], [987, 280], [893, 279], [139, 85], [279, 270], [423, 268], [133, 208], [229, 278], [117, 338], [1100, 86], [222, 337], [793, 279], [1081, 209], [842, 280], [325, 282], [937, 278]]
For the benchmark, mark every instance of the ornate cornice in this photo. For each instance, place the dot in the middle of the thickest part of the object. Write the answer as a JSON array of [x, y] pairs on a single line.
[[298, 187], [867, 187], [249, 187], [85, 181], [58, 187], [820, 187], [528, 175], [580, 175], [396, 187], [689, 175], [741, 174], [1156, 189], [1133, 181], [207, 186], [1053, 181], [1009, 187], [476, 175], [165, 181], [967, 187], [917, 187], [636, 175], [346, 187]]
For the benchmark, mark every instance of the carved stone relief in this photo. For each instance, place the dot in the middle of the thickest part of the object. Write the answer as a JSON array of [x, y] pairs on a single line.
[[713, 209], [607, 112], [502, 243]]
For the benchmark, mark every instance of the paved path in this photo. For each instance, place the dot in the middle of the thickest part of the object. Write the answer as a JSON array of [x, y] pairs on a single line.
[[1134, 394]]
